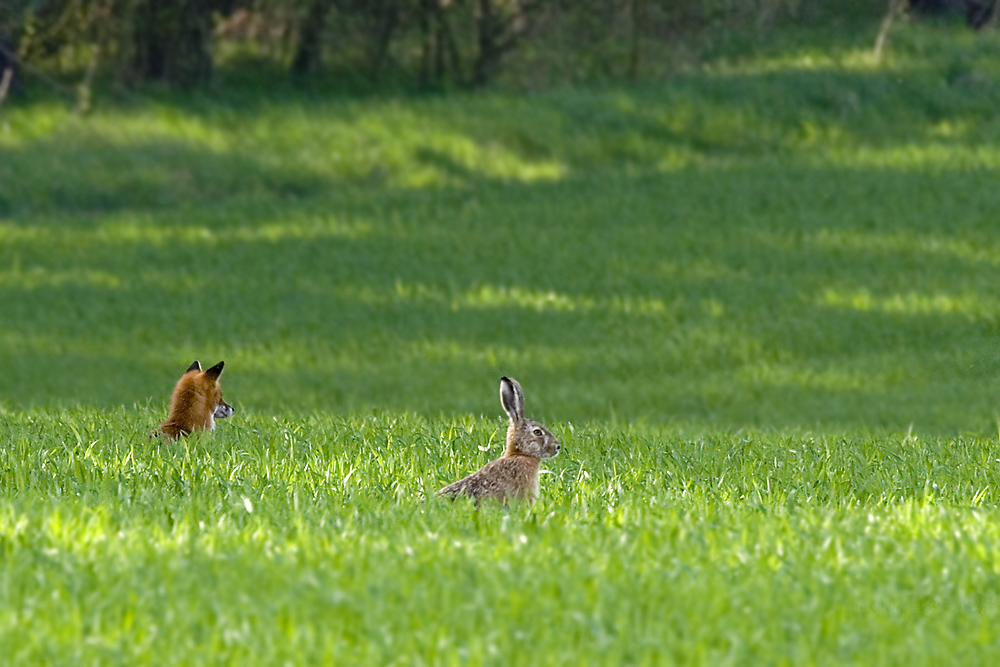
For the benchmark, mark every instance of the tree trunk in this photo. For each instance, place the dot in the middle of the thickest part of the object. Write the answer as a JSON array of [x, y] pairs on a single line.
[[9, 78], [173, 41], [634, 53], [450, 57], [982, 14], [439, 53], [486, 39], [309, 53], [896, 7], [497, 33], [386, 19], [425, 19]]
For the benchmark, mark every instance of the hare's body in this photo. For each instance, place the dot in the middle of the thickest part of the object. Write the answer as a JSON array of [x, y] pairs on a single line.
[[508, 477], [515, 474]]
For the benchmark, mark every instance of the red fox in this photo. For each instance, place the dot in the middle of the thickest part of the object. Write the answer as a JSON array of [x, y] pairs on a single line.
[[196, 402]]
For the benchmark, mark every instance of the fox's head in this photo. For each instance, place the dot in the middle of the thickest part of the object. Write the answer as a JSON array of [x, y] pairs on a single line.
[[209, 381], [196, 402]]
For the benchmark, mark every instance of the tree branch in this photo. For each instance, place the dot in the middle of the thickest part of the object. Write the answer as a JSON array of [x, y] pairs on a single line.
[[5, 81], [896, 8]]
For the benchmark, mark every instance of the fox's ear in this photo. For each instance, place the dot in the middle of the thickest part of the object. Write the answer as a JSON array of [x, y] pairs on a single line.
[[216, 370], [195, 366]]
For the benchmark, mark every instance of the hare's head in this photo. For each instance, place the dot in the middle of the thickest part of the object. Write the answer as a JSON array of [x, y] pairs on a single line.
[[524, 436]]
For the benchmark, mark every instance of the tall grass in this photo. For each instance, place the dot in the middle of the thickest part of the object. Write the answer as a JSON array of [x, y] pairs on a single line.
[[317, 539]]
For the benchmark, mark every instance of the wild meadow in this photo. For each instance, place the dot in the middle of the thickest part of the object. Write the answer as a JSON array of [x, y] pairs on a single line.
[[757, 303]]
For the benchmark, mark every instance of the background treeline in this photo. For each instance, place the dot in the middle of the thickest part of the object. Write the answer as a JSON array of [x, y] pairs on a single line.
[[428, 43]]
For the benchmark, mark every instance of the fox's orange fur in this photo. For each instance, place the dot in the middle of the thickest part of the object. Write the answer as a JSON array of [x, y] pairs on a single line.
[[196, 402]]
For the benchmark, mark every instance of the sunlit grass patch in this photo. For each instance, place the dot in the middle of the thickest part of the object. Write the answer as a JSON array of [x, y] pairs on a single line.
[[155, 148], [24, 126], [38, 277], [970, 305], [979, 249], [318, 537], [492, 296], [922, 156]]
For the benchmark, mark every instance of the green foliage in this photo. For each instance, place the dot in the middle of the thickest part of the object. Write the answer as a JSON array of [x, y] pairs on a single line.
[[424, 44]]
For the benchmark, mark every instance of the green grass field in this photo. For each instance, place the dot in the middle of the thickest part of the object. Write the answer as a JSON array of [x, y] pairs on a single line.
[[757, 303]]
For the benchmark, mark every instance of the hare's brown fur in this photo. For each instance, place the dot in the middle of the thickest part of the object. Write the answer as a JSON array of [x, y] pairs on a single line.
[[515, 474]]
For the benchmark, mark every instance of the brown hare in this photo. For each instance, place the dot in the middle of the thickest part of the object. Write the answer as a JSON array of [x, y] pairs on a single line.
[[515, 474]]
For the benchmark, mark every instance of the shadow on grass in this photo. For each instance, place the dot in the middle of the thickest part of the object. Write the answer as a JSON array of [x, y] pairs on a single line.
[[210, 147], [760, 288]]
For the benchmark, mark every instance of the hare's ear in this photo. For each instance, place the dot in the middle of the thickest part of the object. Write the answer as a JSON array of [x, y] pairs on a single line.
[[512, 398], [216, 370], [195, 366]]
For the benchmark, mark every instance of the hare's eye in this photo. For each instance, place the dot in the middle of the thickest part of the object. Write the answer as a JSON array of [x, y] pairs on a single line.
[[537, 431]]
